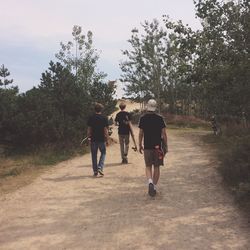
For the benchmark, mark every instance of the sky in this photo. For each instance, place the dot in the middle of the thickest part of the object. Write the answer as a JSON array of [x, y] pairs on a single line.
[[31, 31]]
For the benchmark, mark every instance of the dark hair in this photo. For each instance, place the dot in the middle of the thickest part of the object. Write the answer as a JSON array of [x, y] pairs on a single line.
[[122, 106], [98, 107]]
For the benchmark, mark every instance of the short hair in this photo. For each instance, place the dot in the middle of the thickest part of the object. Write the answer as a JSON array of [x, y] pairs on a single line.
[[98, 107], [122, 106]]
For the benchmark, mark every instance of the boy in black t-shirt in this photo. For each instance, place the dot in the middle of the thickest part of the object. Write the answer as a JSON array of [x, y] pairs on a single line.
[[123, 120], [153, 130], [98, 134]]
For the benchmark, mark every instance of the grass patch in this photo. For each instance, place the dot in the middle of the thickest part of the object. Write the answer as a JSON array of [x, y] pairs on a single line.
[[48, 157], [16, 164]]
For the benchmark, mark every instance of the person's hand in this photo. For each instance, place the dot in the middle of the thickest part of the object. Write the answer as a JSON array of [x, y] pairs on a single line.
[[141, 149], [107, 143], [88, 141]]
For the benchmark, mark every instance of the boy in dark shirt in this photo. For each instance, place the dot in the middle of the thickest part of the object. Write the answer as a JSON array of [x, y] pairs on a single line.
[[98, 134], [153, 130], [123, 120]]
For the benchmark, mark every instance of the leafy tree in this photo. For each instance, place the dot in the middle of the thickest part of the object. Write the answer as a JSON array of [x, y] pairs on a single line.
[[223, 56], [142, 71], [159, 63], [205, 69], [103, 93], [80, 57]]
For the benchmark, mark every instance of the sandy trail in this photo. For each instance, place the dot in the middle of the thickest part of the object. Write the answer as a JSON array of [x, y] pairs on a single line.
[[66, 208]]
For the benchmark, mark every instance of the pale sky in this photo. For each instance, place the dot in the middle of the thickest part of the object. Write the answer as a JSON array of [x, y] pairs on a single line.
[[31, 30]]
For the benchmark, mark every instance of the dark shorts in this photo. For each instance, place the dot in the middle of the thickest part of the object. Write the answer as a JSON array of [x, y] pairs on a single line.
[[151, 158]]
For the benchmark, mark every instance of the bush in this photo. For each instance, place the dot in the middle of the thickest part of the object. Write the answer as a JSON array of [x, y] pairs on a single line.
[[233, 153], [236, 159], [185, 121]]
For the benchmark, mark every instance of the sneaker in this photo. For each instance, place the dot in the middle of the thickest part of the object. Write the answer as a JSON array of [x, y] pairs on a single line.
[[151, 190], [95, 174], [100, 171]]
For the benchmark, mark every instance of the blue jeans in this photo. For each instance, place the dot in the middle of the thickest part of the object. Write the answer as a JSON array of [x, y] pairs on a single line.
[[94, 149]]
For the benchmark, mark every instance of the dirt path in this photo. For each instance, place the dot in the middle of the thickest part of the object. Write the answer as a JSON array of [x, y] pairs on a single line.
[[66, 208]]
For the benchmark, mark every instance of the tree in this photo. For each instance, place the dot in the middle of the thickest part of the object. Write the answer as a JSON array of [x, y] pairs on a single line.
[[223, 56], [8, 111], [143, 69], [54, 113], [80, 57], [159, 63], [69, 103], [103, 93], [207, 69], [4, 73]]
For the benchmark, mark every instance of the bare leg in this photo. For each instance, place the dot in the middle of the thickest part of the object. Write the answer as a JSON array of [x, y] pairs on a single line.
[[151, 190], [149, 174], [156, 175]]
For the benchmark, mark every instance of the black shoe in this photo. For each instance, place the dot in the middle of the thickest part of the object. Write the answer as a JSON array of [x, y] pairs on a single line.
[[95, 174], [151, 190], [100, 172], [124, 161]]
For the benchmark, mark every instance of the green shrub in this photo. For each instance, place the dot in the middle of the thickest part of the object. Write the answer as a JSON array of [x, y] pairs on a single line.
[[233, 149]]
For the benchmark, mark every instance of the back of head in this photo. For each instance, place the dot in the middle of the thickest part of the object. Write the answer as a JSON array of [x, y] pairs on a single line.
[[122, 106], [98, 107], [151, 105]]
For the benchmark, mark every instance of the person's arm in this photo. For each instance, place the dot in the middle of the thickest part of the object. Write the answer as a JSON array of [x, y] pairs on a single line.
[[89, 134], [106, 131], [116, 120], [141, 134], [106, 135], [165, 139]]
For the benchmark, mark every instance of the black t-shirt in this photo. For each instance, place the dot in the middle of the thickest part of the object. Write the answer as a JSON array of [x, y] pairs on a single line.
[[122, 118], [152, 125], [97, 122]]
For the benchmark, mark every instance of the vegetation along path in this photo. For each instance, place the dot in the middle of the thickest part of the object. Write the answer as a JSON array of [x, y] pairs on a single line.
[[67, 208]]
